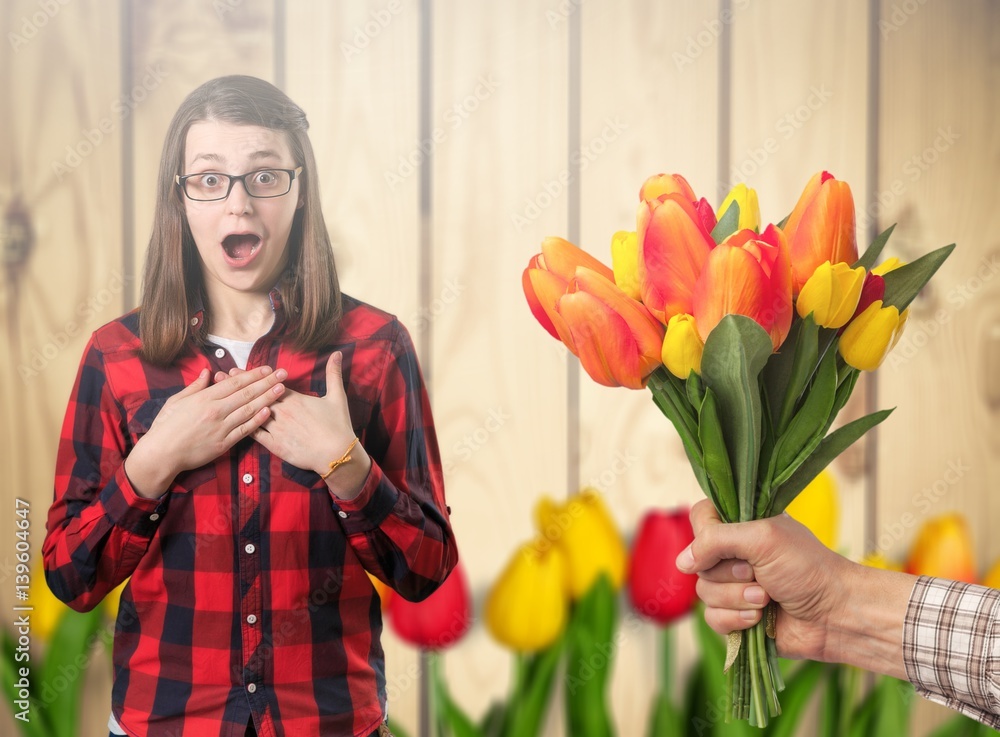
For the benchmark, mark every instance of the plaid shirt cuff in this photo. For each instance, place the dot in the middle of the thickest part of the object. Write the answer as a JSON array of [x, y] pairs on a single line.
[[366, 511], [951, 646], [126, 509]]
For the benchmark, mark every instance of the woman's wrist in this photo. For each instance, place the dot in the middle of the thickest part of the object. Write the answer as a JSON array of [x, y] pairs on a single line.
[[348, 478], [150, 477]]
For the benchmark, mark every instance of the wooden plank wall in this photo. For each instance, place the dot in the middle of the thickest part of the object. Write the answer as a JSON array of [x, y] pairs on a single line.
[[543, 117]]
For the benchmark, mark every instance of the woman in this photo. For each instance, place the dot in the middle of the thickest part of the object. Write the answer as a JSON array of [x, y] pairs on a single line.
[[246, 446]]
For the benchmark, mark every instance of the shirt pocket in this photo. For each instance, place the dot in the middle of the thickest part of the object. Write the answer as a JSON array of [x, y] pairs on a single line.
[[139, 418]]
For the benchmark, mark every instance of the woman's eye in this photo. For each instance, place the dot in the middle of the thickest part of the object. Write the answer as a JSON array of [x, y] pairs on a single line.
[[265, 177], [210, 180]]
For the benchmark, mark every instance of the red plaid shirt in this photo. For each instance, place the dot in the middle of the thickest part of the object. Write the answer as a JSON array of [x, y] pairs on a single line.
[[248, 592]]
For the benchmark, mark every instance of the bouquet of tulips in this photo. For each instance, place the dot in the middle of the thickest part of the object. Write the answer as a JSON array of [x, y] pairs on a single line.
[[750, 340]]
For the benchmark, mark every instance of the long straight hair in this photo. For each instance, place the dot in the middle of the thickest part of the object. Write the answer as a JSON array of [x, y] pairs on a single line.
[[172, 283]]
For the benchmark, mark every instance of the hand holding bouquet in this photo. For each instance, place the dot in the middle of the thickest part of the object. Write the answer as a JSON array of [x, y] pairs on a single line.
[[750, 340]]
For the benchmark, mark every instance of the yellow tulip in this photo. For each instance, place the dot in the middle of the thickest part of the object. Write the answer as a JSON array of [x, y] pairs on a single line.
[[746, 198], [869, 337], [48, 610], [526, 609], [817, 507], [682, 346], [943, 548], [625, 262], [890, 264], [584, 530], [992, 578], [831, 294], [113, 600]]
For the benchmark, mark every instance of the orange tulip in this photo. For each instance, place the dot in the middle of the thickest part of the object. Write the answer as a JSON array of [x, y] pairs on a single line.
[[674, 244], [660, 184], [821, 227], [616, 339], [943, 549], [747, 275], [547, 277]]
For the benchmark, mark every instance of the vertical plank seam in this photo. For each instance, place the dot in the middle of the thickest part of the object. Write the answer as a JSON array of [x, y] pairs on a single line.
[[874, 225], [724, 133], [280, 44], [126, 28], [424, 124], [573, 123]]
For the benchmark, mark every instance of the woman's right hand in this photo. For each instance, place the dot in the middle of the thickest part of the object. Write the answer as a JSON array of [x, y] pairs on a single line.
[[200, 423]]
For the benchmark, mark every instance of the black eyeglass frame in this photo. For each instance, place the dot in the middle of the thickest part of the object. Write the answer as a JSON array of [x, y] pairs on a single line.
[[293, 174]]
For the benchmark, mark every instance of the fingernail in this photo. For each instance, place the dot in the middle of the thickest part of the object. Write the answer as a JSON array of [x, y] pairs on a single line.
[[265, 370], [750, 615], [685, 560], [754, 594], [743, 571], [338, 358], [278, 388], [281, 374]]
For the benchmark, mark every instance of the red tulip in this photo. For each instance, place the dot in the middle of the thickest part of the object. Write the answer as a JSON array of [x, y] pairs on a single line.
[[657, 589], [673, 247], [747, 274], [438, 621], [821, 227]]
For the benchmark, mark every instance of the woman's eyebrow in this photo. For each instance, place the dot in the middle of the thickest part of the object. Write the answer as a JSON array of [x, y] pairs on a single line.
[[221, 160]]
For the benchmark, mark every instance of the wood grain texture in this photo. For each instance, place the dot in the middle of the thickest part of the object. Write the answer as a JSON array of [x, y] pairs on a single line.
[[60, 161], [353, 68], [939, 147], [499, 109], [650, 69]]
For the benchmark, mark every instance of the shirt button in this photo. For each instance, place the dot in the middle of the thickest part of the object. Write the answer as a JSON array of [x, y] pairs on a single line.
[[251, 619], [252, 688], [250, 548], [153, 517], [219, 353], [343, 514], [194, 320], [247, 478]]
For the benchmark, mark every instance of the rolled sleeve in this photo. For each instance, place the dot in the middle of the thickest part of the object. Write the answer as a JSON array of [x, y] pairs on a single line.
[[951, 646], [370, 507]]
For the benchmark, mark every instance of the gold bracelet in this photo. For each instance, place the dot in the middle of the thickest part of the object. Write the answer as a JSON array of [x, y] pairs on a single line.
[[334, 465]]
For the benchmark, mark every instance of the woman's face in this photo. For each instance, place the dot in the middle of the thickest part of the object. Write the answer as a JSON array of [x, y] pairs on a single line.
[[242, 240]]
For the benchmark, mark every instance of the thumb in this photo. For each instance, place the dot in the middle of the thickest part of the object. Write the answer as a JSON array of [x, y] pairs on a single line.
[[720, 541], [335, 373]]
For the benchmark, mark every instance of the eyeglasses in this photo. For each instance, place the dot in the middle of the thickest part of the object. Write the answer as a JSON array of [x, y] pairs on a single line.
[[262, 184]]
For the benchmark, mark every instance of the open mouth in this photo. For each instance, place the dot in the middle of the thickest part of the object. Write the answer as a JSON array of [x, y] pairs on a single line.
[[240, 247]]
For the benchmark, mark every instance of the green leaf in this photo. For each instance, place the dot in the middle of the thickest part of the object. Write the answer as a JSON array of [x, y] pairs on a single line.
[[666, 719], [798, 692], [695, 391], [735, 354], [903, 284], [874, 250], [396, 730], [675, 406], [38, 724], [526, 716], [712, 711], [458, 722], [804, 360], [62, 674], [728, 224], [716, 459], [832, 446], [893, 713], [589, 657], [831, 704]]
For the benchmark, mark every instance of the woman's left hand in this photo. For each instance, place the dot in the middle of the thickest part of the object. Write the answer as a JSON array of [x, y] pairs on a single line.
[[310, 432]]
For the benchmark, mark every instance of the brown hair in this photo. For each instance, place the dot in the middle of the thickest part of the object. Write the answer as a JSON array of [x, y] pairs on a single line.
[[172, 283]]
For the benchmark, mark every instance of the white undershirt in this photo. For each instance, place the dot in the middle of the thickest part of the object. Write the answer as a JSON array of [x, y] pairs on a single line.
[[238, 349]]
